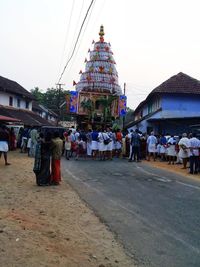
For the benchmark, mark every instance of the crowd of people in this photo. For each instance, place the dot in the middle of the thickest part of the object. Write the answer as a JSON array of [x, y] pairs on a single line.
[[101, 144], [134, 145], [182, 150]]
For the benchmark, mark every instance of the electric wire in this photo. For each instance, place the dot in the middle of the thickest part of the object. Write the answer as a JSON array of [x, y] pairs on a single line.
[[67, 34], [76, 39], [74, 58], [76, 28]]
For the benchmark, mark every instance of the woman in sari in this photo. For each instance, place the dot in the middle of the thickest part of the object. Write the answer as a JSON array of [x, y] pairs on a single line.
[[42, 160]]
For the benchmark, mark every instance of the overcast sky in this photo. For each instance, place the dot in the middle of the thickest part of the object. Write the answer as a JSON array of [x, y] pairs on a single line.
[[152, 40]]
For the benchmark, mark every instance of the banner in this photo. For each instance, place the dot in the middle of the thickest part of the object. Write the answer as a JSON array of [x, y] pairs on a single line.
[[122, 105], [73, 101], [84, 101]]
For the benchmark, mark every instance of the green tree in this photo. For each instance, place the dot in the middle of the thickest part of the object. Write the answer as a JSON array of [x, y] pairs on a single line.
[[106, 102], [37, 94], [53, 99]]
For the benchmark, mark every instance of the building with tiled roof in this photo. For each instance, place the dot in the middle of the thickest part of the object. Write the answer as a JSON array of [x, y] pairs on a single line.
[[45, 113], [171, 107], [17, 103]]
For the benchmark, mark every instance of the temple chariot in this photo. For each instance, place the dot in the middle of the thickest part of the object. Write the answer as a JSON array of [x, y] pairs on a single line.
[[98, 98]]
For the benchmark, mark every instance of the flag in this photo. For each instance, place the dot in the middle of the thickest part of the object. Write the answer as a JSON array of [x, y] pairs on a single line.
[[73, 101], [122, 105]]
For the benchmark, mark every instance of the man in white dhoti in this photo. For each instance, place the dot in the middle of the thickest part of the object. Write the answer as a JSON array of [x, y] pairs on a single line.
[[151, 146], [4, 139]]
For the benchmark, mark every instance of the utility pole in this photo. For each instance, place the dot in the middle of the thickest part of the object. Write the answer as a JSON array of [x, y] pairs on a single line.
[[124, 88], [123, 119], [59, 90]]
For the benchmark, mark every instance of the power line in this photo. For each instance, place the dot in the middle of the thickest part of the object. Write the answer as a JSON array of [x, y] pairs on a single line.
[[67, 34], [81, 38], [76, 40], [76, 28]]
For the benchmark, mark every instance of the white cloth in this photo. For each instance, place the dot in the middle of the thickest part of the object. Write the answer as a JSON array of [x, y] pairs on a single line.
[[29, 143], [158, 149], [24, 142], [102, 147], [95, 145], [151, 142], [76, 135], [171, 150], [130, 135], [184, 153], [130, 148], [67, 145], [3, 146], [118, 145], [194, 146], [113, 145], [89, 148], [162, 149], [110, 146], [101, 138]]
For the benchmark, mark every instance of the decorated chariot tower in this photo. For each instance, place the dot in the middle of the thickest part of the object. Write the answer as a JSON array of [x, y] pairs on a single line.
[[98, 95]]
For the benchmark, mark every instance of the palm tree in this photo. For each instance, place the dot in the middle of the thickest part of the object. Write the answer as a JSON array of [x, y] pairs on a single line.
[[89, 106], [106, 102]]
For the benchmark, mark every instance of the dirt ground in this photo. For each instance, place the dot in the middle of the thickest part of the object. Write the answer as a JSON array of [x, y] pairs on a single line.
[[176, 168], [49, 226]]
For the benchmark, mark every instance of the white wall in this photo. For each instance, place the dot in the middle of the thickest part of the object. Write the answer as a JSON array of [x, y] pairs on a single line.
[[4, 100]]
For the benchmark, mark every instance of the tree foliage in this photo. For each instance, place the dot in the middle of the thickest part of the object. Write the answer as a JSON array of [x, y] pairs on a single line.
[[52, 99], [37, 94]]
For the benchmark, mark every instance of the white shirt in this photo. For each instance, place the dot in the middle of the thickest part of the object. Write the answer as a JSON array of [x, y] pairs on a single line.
[[102, 137], [194, 146], [171, 141], [130, 135], [151, 140]]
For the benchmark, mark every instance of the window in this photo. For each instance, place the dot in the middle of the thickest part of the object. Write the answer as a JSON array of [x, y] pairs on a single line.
[[18, 102], [27, 104], [10, 101]]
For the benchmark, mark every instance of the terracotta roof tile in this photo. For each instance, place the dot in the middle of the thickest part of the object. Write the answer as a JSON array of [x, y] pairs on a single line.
[[177, 84], [180, 83], [27, 117], [13, 87]]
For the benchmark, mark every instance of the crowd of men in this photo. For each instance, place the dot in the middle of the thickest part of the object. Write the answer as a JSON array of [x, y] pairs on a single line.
[[104, 144], [172, 149]]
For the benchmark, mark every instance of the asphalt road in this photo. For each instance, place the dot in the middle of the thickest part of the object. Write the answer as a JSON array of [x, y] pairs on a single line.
[[154, 213]]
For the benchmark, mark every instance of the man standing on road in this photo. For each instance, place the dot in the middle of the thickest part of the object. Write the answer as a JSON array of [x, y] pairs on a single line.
[[151, 146], [4, 138], [56, 149], [34, 136], [135, 143], [194, 154], [130, 146], [184, 145]]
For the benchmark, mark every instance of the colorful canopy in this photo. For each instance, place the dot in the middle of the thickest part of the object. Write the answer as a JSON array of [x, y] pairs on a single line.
[[100, 71]]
